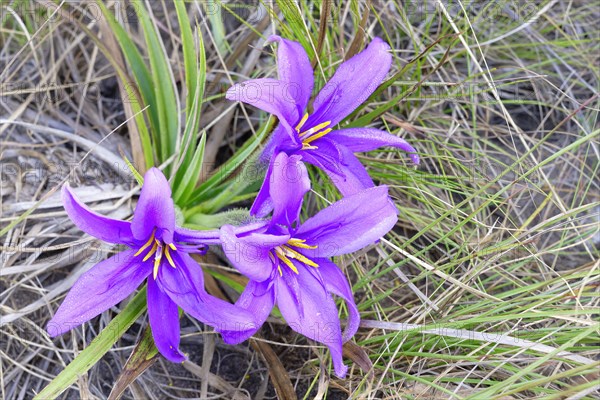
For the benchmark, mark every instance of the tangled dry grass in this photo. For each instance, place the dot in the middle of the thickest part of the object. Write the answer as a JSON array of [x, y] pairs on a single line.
[[486, 289]]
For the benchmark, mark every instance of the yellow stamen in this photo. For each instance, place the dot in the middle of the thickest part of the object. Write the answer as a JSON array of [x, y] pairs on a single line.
[[294, 254], [157, 259], [301, 123], [280, 271], [300, 243], [315, 128], [152, 251], [156, 265], [145, 246], [169, 257], [308, 147], [172, 246], [286, 260], [316, 136]]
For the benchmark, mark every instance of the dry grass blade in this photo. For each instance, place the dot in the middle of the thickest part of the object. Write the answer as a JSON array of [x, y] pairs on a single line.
[[479, 336], [134, 134], [143, 356], [359, 356], [325, 11], [217, 382], [357, 43], [277, 372]]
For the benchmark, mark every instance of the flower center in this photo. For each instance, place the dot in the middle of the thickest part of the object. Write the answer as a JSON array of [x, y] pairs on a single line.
[[312, 134], [285, 252], [158, 249]]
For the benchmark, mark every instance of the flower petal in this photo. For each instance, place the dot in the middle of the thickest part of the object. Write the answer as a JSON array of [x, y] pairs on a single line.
[[341, 165], [271, 95], [294, 68], [289, 183], [353, 82], [154, 209], [210, 237], [314, 315], [279, 141], [337, 283], [107, 229], [104, 285], [164, 322], [185, 286], [349, 224], [367, 139], [258, 298], [249, 254]]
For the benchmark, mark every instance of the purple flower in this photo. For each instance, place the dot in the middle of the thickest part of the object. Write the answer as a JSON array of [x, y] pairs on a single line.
[[159, 251], [312, 136], [288, 263]]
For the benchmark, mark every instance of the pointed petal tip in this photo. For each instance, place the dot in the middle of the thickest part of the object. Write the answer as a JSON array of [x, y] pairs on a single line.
[[158, 178], [155, 208], [273, 38], [231, 93], [94, 224], [66, 194], [175, 356], [350, 224], [377, 41], [353, 82], [53, 329], [340, 370], [65, 188]]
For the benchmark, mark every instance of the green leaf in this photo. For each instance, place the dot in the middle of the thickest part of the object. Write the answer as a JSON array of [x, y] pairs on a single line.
[[293, 17], [190, 174], [164, 91], [139, 178], [142, 357], [215, 16], [231, 165], [97, 348], [190, 59], [189, 166], [143, 82]]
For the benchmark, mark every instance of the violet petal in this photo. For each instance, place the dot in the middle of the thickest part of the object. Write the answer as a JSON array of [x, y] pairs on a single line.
[[337, 283], [107, 229], [341, 165], [185, 286], [349, 224], [353, 82], [250, 254], [294, 68], [289, 183], [163, 315], [155, 208], [104, 285], [258, 298], [367, 139], [271, 95], [315, 316]]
